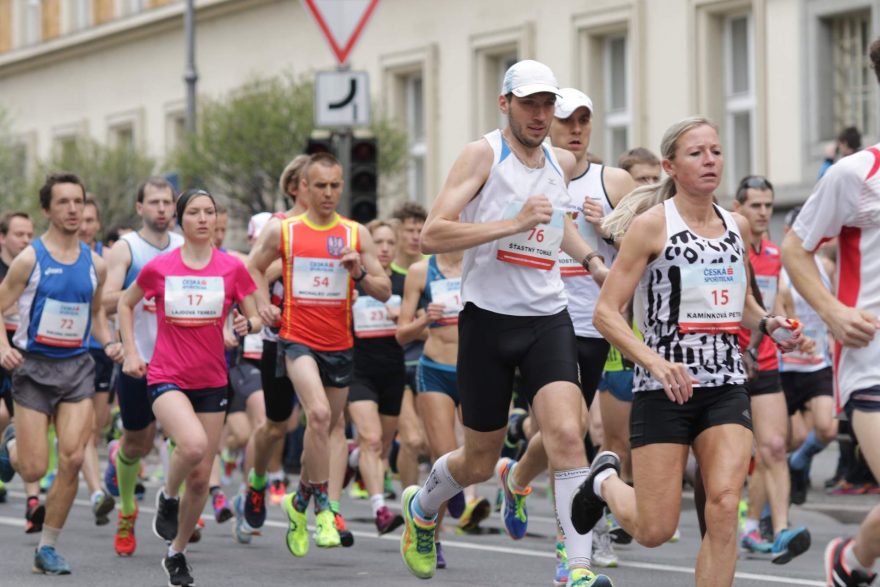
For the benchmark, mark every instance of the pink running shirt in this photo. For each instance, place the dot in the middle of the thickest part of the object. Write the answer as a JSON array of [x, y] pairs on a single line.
[[191, 307]]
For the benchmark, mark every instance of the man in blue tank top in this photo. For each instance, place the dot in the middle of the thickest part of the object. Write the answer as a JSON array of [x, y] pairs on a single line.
[[57, 281]]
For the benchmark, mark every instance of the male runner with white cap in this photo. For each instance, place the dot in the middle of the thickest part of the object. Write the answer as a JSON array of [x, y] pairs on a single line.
[[503, 204]]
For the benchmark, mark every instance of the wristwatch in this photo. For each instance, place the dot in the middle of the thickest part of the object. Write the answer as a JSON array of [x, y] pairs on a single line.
[[590, 256]]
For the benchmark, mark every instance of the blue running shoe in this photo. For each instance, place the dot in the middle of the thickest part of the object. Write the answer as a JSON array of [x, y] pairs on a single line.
[[6, 470], [242, 532], [47, 481], [48, 562], [456, 504], [516, 517], [111, 484], [441, 560], [789, 544], [754, 543]]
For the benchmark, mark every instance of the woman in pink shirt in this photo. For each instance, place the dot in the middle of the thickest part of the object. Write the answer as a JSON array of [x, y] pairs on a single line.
[[194, 288]]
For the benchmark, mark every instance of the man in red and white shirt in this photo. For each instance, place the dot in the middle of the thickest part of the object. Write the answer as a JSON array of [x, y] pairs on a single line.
[[754, 200], [846, 204]]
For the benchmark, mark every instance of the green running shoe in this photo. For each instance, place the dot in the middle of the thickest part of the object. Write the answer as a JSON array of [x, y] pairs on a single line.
[[326, 534], [586, 578], [417, 541], [297, 533]]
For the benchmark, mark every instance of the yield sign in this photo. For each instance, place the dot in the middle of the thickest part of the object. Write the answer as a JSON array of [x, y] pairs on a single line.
[[341, 22]]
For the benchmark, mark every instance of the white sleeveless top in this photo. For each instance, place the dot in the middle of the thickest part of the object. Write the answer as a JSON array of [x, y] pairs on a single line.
[[581, 289], [145, 326], [690, 301], [516, 275], [813, 326]]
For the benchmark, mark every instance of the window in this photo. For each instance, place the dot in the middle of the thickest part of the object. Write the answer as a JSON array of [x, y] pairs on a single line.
[[493, 54], [852, 78], [739, 97], [617, 119], [501, 64], [129, 7], [33, 21], [175, 131], [123, 137], [80, 15], [414, 107], [66, 148], [410, 98]]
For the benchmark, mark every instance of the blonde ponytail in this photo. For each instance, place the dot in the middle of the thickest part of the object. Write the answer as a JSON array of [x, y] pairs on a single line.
[[645, 197]]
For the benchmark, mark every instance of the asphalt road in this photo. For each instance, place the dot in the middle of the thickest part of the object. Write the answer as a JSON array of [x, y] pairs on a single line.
[[490, 558]]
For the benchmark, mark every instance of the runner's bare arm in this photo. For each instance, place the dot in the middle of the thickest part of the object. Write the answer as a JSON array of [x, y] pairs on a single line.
[[567, 162], [411, 325], [753, 313], [274, 271], [578, 249], [133, 364], [100, 328], [618, 183], [642, 242], [850, 326], [376, 283], [265, 251], [240, 321], [444, 232], [11, 289], [118, 261]]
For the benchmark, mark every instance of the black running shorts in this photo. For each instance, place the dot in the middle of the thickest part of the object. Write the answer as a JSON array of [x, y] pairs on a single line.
[[800, 388], [656, 419], [491, 346]]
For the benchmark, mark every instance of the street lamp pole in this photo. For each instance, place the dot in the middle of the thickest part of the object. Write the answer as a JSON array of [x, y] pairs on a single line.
[[190, 75]]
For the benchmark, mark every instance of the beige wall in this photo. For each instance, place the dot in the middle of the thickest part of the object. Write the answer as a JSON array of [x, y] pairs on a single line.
[[130, 70]]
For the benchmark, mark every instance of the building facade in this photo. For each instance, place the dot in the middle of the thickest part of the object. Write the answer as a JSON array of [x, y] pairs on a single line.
[[780, 77]]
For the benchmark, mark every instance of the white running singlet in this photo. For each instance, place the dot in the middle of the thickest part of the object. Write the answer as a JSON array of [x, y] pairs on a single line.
[[814, 327], [846, 203], [582, 291], [516, 275], [145, 327]]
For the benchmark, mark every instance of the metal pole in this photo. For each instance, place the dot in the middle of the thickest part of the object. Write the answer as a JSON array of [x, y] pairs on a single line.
[[343, 152], [190, 75]]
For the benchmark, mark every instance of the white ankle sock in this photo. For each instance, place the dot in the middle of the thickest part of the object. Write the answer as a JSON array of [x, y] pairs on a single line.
[[849, 557], [377, 502], [598, 479], [49, 537]]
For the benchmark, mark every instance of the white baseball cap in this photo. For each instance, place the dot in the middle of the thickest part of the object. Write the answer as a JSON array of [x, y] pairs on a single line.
[[569, 100], [256, 224], [528, 77]]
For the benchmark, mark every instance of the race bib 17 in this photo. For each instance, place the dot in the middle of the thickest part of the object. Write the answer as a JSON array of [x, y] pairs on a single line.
[[194, 300]]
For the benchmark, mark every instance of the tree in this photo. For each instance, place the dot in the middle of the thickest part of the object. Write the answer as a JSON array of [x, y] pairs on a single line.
[[245, 139], [110, 174], [14, 190]]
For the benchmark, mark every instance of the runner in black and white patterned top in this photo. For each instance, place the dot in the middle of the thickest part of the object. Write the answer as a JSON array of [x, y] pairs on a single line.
[[684, 260]]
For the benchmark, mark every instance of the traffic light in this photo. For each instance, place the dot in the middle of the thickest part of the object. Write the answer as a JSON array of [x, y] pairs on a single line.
[[319, 145], [364, 178]]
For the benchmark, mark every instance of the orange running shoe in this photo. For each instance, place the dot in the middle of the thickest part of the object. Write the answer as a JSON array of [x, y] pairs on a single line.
[[125, 542]]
